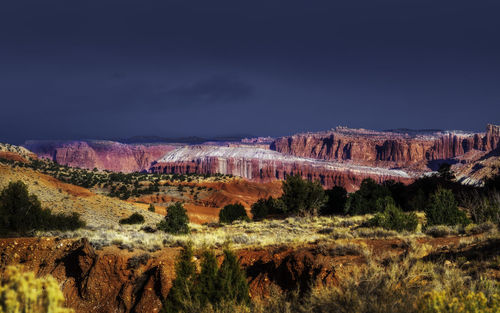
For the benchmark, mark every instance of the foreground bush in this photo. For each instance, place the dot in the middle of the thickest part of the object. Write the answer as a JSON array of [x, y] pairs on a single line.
[[21, 212], [233, 212], [443, 209], [135, 218], [176, 221], [441, 302], [395, 219], [24, 293]]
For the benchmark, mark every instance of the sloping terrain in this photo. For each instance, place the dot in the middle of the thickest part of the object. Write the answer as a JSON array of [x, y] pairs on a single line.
[[96, 210]]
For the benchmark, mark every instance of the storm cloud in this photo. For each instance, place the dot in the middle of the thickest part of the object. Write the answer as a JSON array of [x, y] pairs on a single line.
[[107, 69]]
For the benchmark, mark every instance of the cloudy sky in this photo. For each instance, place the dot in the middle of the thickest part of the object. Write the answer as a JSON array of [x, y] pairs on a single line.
[[111, 69]]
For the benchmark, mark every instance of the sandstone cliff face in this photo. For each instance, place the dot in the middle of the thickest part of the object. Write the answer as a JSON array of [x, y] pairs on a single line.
[[103, 155], [387, 149], [265, 165]]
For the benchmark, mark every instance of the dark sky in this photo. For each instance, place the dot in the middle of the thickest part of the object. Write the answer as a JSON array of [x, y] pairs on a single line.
[[107, 69]]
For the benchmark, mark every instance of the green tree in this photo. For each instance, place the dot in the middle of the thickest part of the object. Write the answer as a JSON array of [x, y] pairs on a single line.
[[21, 212], [232, 285], [337, 198], [302, 196], [207, 280], [176, 221], [233, 212], [181, 297], [442, 209], [151, 208]]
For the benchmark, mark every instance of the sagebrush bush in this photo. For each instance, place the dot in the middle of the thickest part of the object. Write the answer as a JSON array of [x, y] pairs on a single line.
[[135, 218], [441, 231], [22, 292], [176, 221], [471, 302], [233, 212], [22, 212], [442, 209]]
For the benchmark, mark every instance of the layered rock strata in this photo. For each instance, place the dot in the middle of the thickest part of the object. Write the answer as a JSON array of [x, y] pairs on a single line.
[[266, 165]]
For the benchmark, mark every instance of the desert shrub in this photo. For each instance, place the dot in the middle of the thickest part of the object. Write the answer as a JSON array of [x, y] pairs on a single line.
[[394, 218], [442, 209], [302, 196], [365, 199], [337, 198], [441, 302], [482, 207], [22, 212], [482, 228], [137, 260], [233, 212], [441, 231], [176, 221], [151, 208], [135, 218], [263, 207], [22, 292]]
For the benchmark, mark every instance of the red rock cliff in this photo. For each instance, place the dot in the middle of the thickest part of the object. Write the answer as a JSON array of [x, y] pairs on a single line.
[[103, 155], [387, 149]]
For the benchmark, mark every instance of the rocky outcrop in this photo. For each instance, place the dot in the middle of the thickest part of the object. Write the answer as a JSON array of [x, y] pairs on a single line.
[[113, 280], [265, 165], [407, 149], [103, 155]]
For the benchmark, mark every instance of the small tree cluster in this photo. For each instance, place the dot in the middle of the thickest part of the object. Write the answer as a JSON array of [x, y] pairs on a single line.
[[176, 221], [302, 196], [233, 212], [365, 199], [213, 286], [21, 212]]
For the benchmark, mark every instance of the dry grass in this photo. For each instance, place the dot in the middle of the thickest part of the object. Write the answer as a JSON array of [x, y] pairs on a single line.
[[292, 231]]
